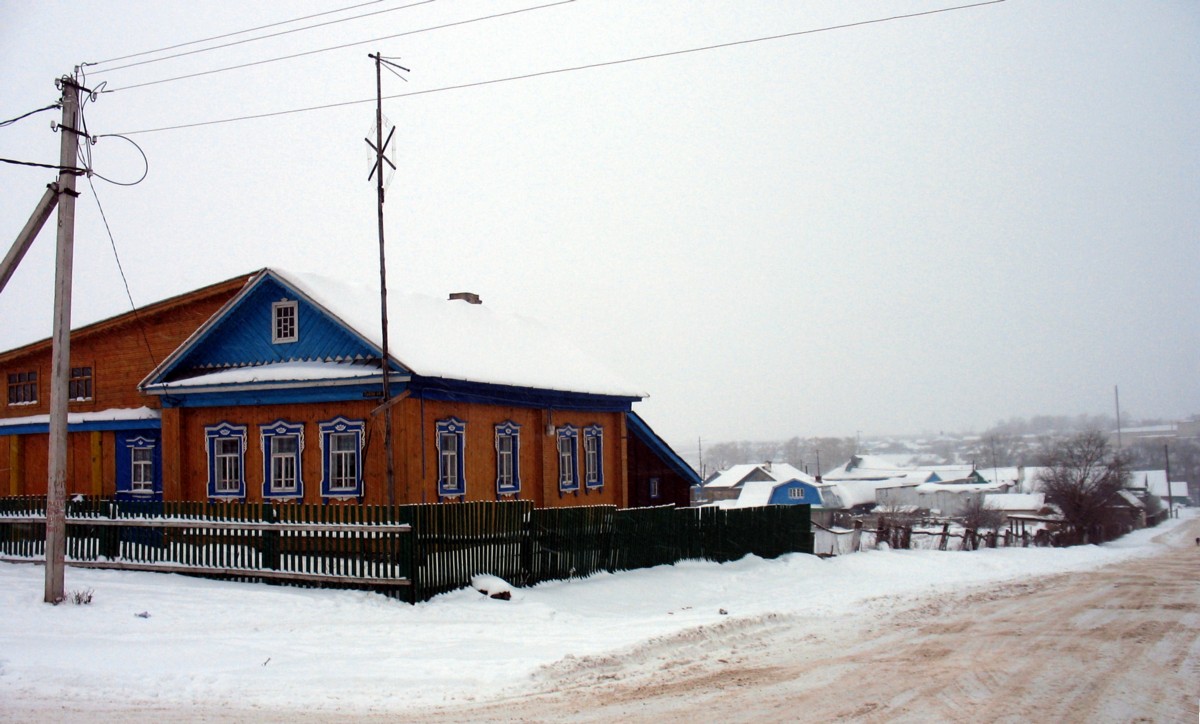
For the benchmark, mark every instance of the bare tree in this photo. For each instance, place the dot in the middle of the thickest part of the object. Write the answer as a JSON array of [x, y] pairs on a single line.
[[1081, 476], [978, 515]]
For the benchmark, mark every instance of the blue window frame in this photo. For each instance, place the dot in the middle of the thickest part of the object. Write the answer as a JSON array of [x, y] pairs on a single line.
[[568, 459], [593, 456], [226, 445], [450, 439], [138, 465], [283, 473], [508, 458], [341, 458]]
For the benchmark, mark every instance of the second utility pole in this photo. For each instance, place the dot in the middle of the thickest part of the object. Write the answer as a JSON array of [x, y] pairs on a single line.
[[380, 147]]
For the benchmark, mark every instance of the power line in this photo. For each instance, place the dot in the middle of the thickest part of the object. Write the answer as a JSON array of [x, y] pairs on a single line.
[[84, 153], [229, 35], [73, 169], [124, 280], [571, 69], [11, 121], [339, 47], [262, 37], [145, 162]]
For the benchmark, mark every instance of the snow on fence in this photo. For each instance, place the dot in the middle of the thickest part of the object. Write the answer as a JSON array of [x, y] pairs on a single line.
[[414, 551]]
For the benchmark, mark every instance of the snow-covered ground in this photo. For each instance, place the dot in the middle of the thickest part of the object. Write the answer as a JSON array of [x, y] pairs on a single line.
[[154, 641]]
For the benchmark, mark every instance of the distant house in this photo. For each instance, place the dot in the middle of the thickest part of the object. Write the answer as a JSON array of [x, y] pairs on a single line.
[[759, 493], [269, 387], [1154, 482], [1020, 479], [1016, 504], [727, 484], [1127, 509]]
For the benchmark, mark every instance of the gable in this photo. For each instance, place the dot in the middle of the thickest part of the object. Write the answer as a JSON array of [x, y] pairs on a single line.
[[757, 475], [242, 335], [795, 492]]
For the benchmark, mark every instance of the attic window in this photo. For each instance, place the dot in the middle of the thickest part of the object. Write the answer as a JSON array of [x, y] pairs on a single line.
[[283, 326]]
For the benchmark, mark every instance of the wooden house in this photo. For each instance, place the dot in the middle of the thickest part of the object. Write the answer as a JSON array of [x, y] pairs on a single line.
[[728, 484], [270, 387]]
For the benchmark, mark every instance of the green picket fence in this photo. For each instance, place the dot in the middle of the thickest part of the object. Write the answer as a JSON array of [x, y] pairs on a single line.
[[414, 552], [453, 542]]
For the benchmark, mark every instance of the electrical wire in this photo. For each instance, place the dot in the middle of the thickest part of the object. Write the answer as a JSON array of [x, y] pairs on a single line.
[[71, 169], [264, 37], [571, 69], [338, 47], [230, 35], [145, 161], [124, 280], [85, 149], [11, 121]]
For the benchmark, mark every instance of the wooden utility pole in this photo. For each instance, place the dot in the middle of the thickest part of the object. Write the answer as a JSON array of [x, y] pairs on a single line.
[[60, 360], [1170, 499]]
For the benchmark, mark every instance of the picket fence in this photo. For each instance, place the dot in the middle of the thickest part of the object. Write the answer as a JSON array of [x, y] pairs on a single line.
[[411, 552]]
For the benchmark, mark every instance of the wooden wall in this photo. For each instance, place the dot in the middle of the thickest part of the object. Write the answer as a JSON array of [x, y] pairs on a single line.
[[644, 464], [415, 453], [90, 464], [120, 351]]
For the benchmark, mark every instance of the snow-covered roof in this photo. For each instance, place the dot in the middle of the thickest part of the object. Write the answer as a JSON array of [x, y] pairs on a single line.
[[756, 493], [777, 472], [946, 473], [279, 372], [116, 414], [1155, 482], [459, 340], [849, 493], [438, 338], [1015, 501], [1130, 498], [462, 341], [871, 467], [959, 487]]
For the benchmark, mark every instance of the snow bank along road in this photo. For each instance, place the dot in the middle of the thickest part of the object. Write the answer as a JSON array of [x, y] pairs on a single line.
[[1116, 644]]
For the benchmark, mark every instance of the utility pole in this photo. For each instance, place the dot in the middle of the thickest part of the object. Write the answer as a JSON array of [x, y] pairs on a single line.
[[60, 360], [1170, 500], [1117, 401], [379, 146], [25, 239]]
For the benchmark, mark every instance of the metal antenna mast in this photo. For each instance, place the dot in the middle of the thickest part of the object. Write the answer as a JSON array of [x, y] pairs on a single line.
[[380, 146]]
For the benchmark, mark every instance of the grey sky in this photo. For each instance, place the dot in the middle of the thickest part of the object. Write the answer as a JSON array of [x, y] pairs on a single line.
[[926, 224]]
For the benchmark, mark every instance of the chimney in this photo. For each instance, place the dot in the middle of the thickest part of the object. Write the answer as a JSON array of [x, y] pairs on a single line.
[[468, 297]]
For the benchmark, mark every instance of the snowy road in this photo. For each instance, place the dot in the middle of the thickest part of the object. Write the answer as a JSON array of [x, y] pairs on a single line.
[[1094, 633], [1118, 644]]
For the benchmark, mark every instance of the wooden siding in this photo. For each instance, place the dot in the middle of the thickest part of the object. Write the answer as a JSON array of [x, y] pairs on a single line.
[[90, 464], [644, 464], [415, 452], [121, 351], [246, 335]]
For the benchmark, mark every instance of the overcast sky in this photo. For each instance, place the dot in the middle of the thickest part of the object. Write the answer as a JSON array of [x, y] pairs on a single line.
[[924, 224]]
